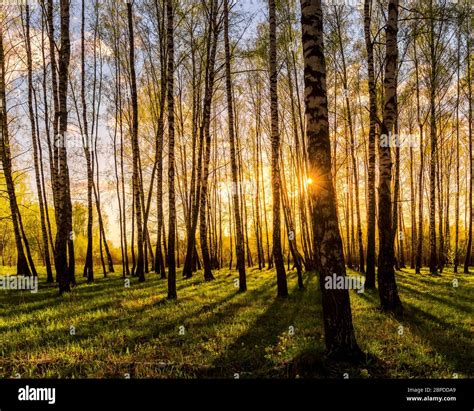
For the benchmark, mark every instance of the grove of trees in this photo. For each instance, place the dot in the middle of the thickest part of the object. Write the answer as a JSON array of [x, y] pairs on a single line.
[[181, 137]]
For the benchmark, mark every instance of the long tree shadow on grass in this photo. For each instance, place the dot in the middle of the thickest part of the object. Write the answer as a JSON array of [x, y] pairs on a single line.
[[25, 302], [448, 339], [251, 354], [455, 302], [47, 297], [451, 341]]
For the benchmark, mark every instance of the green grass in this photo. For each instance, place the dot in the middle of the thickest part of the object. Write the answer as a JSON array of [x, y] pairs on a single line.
[[136, 331]]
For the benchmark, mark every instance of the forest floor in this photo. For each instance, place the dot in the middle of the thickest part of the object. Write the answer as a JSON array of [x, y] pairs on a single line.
[[136, 332]]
